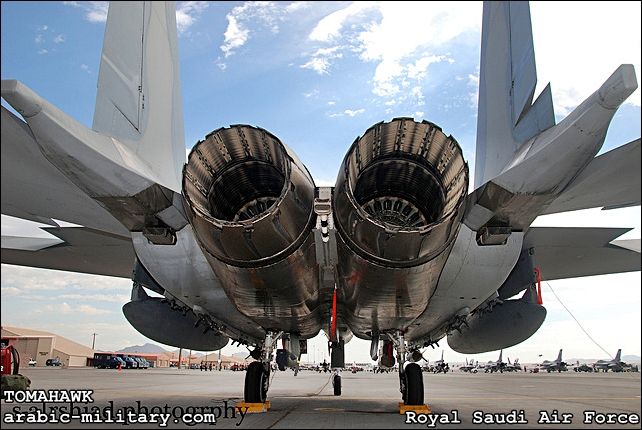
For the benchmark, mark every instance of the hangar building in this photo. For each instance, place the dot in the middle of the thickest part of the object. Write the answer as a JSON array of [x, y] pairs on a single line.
[[43, 345]]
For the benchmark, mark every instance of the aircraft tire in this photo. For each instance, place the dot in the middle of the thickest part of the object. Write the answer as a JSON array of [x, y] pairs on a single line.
[[414, 385], [336, 385], [256, 383]]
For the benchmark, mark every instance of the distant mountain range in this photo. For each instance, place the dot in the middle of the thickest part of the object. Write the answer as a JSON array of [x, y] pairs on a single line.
[[630, 359], [148, 348]]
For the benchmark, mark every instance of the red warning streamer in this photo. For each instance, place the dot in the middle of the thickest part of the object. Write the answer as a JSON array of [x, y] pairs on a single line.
[[333, 323], [539, 286]]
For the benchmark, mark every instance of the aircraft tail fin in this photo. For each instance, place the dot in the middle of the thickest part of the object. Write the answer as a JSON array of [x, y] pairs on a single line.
[[618, 356], [501, 352], [139, 94], [559, 356], [507, 115]]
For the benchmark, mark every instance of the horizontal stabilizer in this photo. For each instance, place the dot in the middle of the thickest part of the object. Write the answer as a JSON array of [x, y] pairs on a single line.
[[611, 180], [78, 249], [571, 252], [35, 190]]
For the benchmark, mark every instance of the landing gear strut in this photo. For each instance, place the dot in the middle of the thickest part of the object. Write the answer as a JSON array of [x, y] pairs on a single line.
[[257, 377], [411, 383]]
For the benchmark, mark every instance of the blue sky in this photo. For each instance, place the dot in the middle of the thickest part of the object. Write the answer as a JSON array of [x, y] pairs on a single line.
[[318, 75]]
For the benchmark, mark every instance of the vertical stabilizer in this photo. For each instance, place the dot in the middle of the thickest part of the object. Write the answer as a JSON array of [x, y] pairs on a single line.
[[559, 357], [618, 356], [139, 93], [507, 116]]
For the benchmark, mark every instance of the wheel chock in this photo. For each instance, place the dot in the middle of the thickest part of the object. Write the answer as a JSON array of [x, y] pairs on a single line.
[[420, 409], [253, 408]]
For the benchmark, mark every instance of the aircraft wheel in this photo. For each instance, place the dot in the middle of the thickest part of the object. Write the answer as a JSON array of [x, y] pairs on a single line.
[[414, 385], [257, 378], [336, 384]]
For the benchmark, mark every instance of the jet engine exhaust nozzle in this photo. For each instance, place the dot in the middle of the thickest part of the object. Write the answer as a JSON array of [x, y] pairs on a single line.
[[249, 199], [399, 192]]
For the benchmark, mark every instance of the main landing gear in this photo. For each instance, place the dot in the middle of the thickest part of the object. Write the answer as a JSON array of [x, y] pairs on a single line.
[[257, 377], [411, 383], [337, 362]]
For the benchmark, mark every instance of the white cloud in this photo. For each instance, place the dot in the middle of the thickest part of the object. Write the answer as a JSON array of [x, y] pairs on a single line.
[[43, 51], [235, 36], [90, 310], [348, 112], [419, 115], [187, 13], [563, 56], [353, 113], [33, 280], [320, 59], [95, 11], [297, 6], [113, 298], [405, 41], [65, 309], [247, 18], [10, 291], [332, 103], [319, 65], [330, 26], [418, 96], [418, 69], [402, 38], [473, 95], [39, 38], [312, 93], [59, 39], [85, 68]]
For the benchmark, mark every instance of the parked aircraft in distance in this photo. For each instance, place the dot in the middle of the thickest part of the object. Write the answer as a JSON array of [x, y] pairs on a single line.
[[614, 365], [556, 365]]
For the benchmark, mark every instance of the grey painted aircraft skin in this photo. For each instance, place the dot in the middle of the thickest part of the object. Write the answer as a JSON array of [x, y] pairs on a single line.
[[239, 240]]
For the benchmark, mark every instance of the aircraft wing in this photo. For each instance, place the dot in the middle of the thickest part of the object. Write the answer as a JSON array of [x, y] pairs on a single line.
[[611, 180], [35, 190], [570, 252], [77, 249]]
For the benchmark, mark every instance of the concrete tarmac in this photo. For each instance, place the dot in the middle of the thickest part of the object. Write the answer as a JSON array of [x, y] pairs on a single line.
[[306, 401]]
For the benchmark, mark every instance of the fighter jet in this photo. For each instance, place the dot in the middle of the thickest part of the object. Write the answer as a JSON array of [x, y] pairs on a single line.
[[241, 244], [556, 365], [512, 367], [496, 366], [614, 365], [469, 367], [440, 366]]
